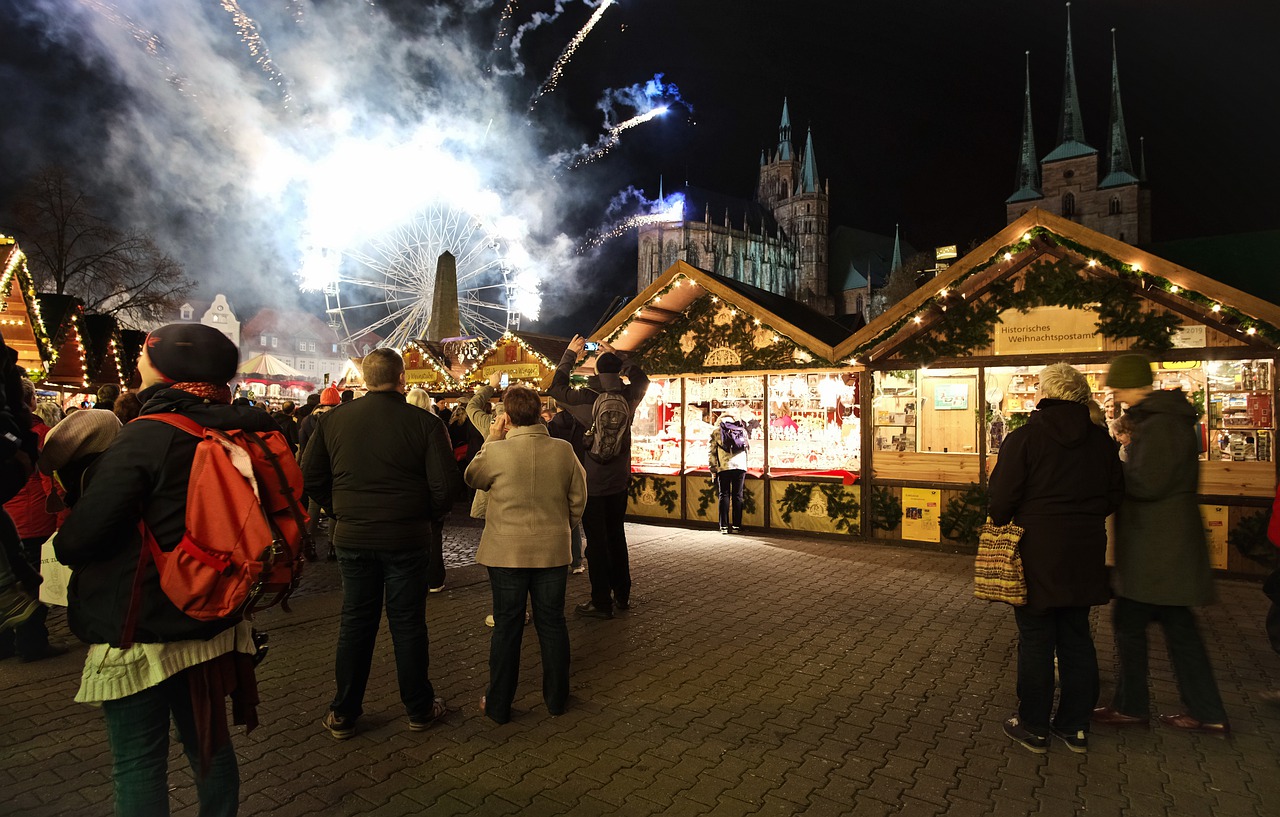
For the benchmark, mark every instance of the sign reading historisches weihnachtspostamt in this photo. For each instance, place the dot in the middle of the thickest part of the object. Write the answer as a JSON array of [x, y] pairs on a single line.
[[1047, 329]]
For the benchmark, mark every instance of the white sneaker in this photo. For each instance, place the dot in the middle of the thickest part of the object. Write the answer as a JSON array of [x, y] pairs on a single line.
[[488, 621], [580, 569]]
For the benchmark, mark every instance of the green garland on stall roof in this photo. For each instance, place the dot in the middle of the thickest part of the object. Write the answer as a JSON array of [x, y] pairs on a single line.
[[1249, 537], [663, 352], [663, 490], [708, 494], [969, 325], [886, 509], [965, 514], [842, 506], [1123, 319]]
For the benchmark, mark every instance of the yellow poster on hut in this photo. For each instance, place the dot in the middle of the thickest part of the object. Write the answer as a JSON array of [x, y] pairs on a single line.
[[1047, 329], [1215, 533], [920, 509]]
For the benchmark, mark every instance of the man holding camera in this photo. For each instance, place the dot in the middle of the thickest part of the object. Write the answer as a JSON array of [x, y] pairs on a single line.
[[608, 564]]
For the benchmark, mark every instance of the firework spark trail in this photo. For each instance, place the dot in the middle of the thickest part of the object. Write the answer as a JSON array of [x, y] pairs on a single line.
[[611, 139], [557, 70], [151, 43], [673, 210], [257, 47], [537, 20], [504, 20]]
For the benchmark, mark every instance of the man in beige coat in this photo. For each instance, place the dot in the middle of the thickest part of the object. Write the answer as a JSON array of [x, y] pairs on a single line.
[[537, 490]]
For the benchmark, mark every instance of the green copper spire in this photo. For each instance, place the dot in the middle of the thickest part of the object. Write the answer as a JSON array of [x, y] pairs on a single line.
[[896, 263], [1070, 126], [784, 134], [1028, 180], [809, 171], [1119, 160]]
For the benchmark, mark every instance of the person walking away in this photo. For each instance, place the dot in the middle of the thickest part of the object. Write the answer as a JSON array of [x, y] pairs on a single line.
[[329, 399], [178, 668], [562, 425], [386, 472], [536, 491], [1162, 559], [608, 471], [1058, 477], [18, 453], [728, 464], [33, 525]]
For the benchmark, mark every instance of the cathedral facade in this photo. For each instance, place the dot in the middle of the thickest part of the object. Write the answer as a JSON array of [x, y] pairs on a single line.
[[778, 242]]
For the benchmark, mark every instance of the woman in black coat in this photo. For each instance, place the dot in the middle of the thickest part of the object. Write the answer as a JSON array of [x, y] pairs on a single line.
[[1058, 477]]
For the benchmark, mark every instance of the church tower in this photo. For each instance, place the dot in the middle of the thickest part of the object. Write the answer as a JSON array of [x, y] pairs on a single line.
[[1068, 181]]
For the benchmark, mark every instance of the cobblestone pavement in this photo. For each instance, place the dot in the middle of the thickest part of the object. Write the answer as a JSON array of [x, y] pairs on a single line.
[[753, 675]]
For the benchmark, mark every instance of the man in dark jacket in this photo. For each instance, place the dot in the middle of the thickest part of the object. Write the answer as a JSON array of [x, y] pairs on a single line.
[[179, 668], [1058, 477], [385, 470], [608, 563], [288, 424], [1162, 559]]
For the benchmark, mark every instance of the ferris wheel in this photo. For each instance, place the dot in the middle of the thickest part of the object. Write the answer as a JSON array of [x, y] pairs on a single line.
[[387, 286]]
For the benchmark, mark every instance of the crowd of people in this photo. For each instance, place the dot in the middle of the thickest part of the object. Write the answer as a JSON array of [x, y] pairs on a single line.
[[386, 469]]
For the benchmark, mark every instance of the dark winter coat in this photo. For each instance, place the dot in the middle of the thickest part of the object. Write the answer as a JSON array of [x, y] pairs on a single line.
[[1059, 477], [564, 426], [1161, 553], [143, 474], [384, 468], [603, 478]]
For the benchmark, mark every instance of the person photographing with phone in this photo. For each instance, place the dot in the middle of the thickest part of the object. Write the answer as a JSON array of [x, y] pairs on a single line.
[[605, 407]]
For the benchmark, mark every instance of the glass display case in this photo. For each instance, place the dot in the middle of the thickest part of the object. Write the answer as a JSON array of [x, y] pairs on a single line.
[[1241, 423], [706, 399], [895, 406], [655, 428], [814, 422]]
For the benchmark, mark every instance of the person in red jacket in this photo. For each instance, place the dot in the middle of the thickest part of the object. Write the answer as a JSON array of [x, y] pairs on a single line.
[[30, 640]]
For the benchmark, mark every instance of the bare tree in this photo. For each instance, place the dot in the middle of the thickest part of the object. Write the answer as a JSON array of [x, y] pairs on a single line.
[[72, 250]]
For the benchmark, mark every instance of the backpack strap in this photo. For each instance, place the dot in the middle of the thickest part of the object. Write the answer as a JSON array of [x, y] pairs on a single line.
[[178, 421]]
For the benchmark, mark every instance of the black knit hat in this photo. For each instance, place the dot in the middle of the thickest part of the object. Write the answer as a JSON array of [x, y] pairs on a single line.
[[192, 353], [608, 363]]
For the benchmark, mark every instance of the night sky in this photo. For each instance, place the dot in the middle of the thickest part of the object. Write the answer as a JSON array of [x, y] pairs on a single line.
[[915, 108]]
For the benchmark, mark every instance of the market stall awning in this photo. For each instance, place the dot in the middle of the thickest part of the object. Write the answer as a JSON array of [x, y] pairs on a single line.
[[269, 365]]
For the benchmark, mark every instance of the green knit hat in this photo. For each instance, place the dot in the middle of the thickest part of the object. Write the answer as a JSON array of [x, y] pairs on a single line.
[[1129, 372]]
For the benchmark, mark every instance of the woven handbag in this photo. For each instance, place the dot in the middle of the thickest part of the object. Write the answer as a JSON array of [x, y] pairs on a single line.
[[997, 570]]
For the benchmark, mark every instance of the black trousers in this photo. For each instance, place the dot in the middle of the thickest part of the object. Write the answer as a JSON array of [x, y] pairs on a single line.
[[1062, 632], [608, 565]]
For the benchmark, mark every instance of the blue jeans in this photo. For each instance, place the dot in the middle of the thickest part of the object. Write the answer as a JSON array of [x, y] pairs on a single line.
[[138, 731], [1064, 632], [511, 586], [366, 574], [730, 487], [608, 564]]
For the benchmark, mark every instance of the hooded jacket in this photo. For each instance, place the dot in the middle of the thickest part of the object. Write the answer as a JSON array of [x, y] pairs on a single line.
[[603, 478], [1059, 477], [144, 474], [1161, 553]]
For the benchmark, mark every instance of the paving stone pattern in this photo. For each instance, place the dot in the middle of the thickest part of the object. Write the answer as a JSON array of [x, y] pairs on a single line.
[[753, 675]]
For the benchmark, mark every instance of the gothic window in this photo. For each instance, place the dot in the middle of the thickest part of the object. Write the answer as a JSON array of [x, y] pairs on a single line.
[[1114, 209], [1068, 204]]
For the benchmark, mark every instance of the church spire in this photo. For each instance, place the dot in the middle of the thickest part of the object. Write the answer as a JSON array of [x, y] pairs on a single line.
[[1070, 126], [784, 134], [1120, 161], [809, 171], [1028, 168], [1142, 158], [896, 263]]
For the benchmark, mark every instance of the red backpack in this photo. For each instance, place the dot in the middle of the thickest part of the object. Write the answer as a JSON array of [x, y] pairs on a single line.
[[246, 528]]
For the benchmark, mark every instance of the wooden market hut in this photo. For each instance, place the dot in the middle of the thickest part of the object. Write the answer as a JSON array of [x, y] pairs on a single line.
[[103, 350], [951, 367], [67, 365], [426, 366], [708, 344], [525, 357], [20, 321]]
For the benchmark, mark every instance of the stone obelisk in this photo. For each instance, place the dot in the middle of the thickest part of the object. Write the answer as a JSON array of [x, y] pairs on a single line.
[[444, 300]]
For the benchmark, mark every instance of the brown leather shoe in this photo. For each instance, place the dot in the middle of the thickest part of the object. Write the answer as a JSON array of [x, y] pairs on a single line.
[[1109, 717], [1189, 724]]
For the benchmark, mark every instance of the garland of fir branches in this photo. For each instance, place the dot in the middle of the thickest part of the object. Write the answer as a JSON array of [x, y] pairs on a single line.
[[1249, 537], [708, 495], [960, 333], [886, 509], [842, 506], [964, 515], [663, 490]]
